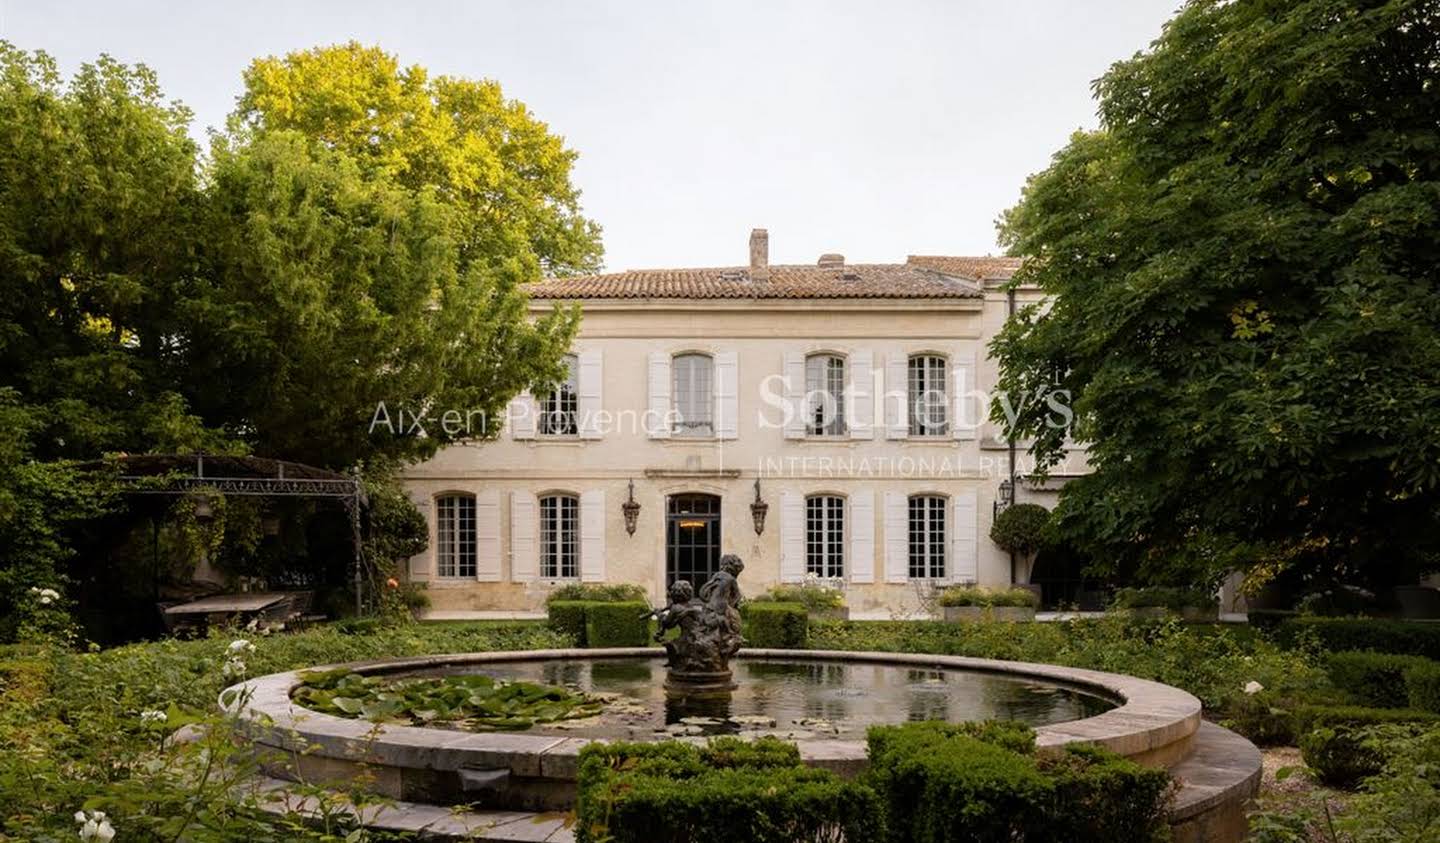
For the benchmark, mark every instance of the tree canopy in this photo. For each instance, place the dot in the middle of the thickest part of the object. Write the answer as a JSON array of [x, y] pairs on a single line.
[[359, 236], [1242, 269]]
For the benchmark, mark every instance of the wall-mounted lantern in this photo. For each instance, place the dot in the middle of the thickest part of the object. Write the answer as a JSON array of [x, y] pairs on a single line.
[[758, 510], [631, 510], [1004, 497]]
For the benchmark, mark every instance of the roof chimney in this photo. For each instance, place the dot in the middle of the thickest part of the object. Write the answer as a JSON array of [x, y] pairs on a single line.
[[759, 253], [830, 260]]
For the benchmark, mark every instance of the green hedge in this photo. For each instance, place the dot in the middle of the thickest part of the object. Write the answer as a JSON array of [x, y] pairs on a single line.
[[729, 790], [1164, 597], [783, 626], [970, 595], [1422, 684], [568, 617], [617, 624], [1311, 717], [1373, 679], [946, 783], [1379, 634], [597, 593], [1344, 756]]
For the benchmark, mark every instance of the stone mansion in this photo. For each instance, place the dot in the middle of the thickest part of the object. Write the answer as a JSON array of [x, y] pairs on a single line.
[[821, 420]]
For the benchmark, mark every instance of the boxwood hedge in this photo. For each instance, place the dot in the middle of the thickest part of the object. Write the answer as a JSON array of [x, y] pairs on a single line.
[[1373, 679], [783, 626]]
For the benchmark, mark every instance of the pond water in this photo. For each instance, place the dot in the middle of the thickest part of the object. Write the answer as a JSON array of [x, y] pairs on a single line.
[[793, 698]]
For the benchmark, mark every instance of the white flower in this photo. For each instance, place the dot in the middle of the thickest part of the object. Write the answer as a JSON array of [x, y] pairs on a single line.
[[1252, 687], [94, 826], [153, 717], [234, 668], [240, 645]]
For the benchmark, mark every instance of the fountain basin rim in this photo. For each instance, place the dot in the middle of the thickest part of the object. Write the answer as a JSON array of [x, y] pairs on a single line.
[[1153, 723]]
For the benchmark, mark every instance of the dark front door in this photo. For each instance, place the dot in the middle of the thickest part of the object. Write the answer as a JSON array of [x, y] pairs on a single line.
[[692, 538]]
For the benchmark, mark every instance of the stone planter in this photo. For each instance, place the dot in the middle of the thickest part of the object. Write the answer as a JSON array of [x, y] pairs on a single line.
[[971, 614], [840, 613], [1189, 614]]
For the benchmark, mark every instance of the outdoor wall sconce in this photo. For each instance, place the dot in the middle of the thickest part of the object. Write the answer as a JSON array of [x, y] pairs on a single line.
[[1004, 498], [758, 510], [631, 510]]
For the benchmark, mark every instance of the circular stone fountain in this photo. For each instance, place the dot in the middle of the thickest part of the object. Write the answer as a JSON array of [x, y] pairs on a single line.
[[821, 700]]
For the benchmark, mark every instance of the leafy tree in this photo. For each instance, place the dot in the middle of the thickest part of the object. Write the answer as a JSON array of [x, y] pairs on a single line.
[[270, 297], [1242, 266], [505, 177]]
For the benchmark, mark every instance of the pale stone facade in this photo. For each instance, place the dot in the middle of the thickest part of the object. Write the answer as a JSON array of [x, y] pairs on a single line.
[[538, 497]]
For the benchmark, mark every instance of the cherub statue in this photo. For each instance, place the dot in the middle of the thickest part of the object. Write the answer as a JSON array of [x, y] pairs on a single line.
[[688, 614], [721, 596]]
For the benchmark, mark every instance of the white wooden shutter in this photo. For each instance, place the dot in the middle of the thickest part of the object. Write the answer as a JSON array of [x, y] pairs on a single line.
[[861, 400], [727, 395], [965, 400], [524, 561], [794, 395], [792, 537], [657, 418], [487, 536], [420, 563], [862, 536], [897, 396], [965, 538], [523, 412], [897, 537], [592, 536], [588, 402]]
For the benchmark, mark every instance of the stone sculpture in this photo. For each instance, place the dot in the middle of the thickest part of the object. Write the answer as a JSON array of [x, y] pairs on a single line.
[[709, 625]]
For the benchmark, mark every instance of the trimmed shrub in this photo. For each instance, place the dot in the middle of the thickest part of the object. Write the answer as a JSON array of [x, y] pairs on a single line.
[[978, 782], [1379, 634], [730, 790], [598, 593], [1164, 597], [960, 788], [782, 626], [988, 597], [617, 624], [1100, 796], [1422, 684], [1264, 718], [1021, 528], [1311, 717], [568, 617], [815, 598], [1373, 679]]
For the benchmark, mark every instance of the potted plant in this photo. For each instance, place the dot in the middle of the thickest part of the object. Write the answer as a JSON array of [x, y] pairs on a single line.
[[1022, 529], [1191, 604], [972, 603]]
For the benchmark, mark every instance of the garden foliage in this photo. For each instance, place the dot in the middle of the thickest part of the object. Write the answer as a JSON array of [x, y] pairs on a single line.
[[617, 625], [1379, 634], [1373, 679], [728, 791], [784, 626]]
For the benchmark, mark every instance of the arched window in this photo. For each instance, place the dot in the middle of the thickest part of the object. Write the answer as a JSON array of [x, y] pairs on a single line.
[[558, 409], [825, 536], [559, 537], [693, 394], [928, 396], [825, 395], [927, 537], [455, 536]]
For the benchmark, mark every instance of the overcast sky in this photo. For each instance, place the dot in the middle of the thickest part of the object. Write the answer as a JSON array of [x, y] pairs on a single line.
[[875, 129]]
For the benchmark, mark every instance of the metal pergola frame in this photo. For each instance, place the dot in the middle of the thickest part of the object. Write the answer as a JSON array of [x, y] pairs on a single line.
[[329, 485]]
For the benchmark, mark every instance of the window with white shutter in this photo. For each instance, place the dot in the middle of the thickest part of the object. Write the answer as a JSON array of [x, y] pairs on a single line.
[[455, 536], [559, 537], [825, 536], [825, 395], [693, 395]]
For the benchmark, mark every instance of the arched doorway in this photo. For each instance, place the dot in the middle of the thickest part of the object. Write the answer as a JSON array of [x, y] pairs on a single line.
[[692, 538]]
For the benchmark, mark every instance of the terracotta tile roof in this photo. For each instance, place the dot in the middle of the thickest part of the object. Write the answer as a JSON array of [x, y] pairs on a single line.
[[978, 269], [802, 281]]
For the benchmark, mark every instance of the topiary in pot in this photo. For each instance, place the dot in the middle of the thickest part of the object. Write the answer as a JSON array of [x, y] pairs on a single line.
[[1021, 529]]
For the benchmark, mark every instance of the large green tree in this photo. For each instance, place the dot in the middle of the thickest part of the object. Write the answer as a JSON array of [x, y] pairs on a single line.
[[272, 296], [1242, 265]]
